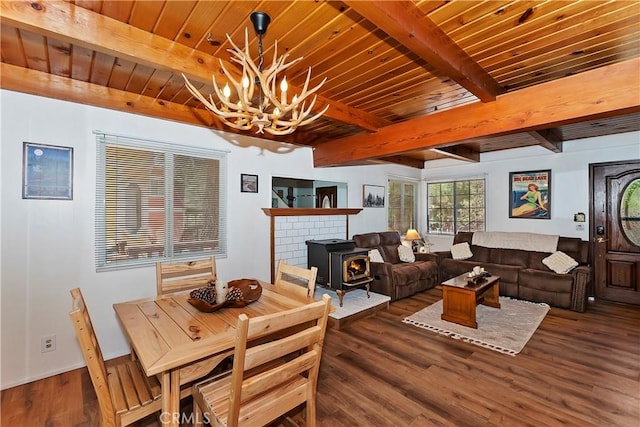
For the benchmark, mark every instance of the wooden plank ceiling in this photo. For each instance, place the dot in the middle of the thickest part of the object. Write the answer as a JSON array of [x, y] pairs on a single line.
[[408, 81]]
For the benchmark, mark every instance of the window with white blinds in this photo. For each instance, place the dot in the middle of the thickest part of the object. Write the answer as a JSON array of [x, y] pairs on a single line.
[[157, 202]]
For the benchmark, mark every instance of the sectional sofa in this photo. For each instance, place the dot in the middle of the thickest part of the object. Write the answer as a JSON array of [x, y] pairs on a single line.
[[523, 273]]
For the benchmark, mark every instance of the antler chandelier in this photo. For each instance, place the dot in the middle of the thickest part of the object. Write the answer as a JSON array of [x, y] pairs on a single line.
[[268, 112]]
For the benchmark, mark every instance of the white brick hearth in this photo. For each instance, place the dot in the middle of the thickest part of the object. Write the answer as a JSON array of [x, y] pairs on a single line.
[[291, 233]]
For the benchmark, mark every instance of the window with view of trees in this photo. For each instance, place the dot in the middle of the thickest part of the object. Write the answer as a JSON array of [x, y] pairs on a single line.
[[157, 202], [402, 206], [456, 206]]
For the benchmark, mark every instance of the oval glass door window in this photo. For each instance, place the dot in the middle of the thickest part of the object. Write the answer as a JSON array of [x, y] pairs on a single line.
[[326, 203], [630, 212]]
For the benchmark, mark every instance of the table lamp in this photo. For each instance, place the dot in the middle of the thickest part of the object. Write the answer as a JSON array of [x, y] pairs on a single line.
[[413, 235]]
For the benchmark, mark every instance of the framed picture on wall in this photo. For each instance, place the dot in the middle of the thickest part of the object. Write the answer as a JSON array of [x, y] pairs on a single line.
[[530, 194], [373, 196], [47, 172], [248, 183]]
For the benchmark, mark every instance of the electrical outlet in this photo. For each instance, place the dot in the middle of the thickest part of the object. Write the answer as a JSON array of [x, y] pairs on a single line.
[[47, 343]]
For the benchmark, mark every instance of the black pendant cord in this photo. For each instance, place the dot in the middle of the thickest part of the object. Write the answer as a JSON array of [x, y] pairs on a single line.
[[260, 21], [260, 63]]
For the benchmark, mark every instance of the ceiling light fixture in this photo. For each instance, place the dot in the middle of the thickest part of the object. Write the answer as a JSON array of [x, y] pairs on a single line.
[[268, 112]]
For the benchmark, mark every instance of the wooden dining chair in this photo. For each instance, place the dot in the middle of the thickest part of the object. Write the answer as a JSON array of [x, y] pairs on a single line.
[[275, 369], [291, 279], [125, 394], [178, 276]]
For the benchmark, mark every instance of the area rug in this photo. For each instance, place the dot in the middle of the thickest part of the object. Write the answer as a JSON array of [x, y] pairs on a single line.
[[353, 302], [506, 330]]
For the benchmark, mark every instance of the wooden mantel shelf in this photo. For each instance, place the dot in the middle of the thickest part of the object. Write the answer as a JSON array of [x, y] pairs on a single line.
[[310, 211]]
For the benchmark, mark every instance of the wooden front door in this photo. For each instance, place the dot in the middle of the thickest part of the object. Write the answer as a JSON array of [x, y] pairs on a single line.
[[615, 230]]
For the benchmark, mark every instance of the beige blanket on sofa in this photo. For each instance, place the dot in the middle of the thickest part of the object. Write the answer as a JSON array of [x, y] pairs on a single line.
[[514, 240]]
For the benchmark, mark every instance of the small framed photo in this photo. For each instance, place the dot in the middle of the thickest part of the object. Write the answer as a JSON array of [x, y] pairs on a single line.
[[47, 172], [530, 194], [248, 183], [373, 196]]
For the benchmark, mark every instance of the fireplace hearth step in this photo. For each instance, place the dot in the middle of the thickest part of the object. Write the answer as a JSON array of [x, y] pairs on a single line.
[[356, 306]]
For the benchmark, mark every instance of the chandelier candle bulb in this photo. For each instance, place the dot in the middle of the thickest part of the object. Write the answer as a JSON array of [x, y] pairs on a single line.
[[283, 87]]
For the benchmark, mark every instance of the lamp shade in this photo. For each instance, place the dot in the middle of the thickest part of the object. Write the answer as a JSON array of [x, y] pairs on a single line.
[[412, 234]]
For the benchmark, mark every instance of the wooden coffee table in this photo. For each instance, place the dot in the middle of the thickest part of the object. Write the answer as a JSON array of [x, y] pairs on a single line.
[[460, 298]]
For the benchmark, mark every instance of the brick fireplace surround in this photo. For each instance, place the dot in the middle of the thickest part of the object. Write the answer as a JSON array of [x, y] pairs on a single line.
[[292, 227]]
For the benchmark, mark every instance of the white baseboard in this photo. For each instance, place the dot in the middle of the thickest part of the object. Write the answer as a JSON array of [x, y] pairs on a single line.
[[43, 375], [55, 372]]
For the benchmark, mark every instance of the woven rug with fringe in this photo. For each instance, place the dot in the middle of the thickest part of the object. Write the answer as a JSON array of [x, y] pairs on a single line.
[[506, 330]]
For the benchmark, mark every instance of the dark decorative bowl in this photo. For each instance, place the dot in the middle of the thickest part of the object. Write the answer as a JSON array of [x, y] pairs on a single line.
[[250, 289]]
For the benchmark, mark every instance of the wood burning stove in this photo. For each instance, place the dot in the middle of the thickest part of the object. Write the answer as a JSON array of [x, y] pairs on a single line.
[[349, 267], [341, 266], [318, 256], [350, 270]]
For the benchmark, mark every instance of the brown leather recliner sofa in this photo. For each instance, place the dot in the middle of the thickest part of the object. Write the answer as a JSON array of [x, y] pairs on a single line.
[[393, 277], [522, 273]]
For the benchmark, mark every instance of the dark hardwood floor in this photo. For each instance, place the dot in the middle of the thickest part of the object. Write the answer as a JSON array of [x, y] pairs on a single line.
[[578, 369]]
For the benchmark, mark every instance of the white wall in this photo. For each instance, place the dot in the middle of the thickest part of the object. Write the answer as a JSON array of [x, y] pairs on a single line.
[[569, 182], [47, 246]]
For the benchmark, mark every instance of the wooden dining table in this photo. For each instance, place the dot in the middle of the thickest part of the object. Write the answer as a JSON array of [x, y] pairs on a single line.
[[178, 343]]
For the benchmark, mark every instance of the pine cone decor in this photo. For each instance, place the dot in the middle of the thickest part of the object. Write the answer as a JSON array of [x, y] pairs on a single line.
[[206, 294], [239, 293], [243, 292], [234, 294]]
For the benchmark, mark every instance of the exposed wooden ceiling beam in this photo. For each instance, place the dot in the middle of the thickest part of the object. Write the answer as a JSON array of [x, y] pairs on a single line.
[[404, 161], [459, 152], [403, 21], [69, 23], [396, 160], [603, 92], [551, 139], [49, 85]]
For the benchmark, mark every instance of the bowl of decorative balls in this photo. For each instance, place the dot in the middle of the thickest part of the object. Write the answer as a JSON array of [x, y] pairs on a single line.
[[240, 293]]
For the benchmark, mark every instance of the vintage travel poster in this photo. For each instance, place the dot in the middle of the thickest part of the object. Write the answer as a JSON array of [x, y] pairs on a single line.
[[530, 194]]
